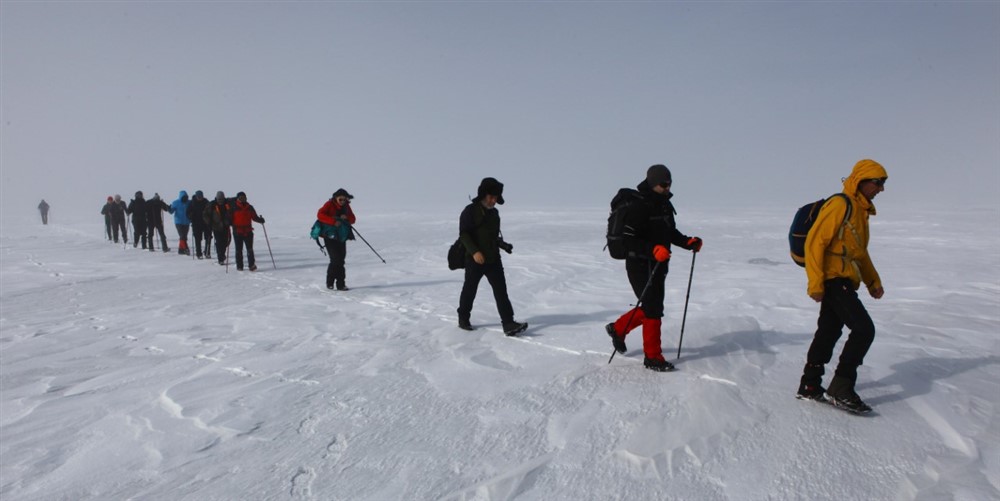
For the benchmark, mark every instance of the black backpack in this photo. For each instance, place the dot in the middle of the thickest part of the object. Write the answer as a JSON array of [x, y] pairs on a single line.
[[620, 204], [803, 221]]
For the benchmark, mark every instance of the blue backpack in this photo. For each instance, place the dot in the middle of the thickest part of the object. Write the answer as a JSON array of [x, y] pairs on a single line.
[[803, 221]]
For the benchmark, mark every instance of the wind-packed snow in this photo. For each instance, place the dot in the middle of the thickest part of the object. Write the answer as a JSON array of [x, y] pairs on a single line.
[[134, 375]]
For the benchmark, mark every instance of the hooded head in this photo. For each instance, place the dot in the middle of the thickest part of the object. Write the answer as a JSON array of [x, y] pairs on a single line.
[[138, 195], [658, 174], [342, 193], [156, 196], [863, 170], [490, 186], [242, 197], [182, 194], [220, 196], [118, 198], [199, 194]]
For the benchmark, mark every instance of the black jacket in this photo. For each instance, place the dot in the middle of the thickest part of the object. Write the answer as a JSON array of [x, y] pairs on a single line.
[[651, 223], [479, 231], [154, 211], [196, 212], [137, 207]]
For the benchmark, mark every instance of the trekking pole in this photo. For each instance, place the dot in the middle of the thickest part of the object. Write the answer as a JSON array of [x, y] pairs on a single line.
[[229, 240], [684, 318], [639, 302], [268, 241], [368, 244]]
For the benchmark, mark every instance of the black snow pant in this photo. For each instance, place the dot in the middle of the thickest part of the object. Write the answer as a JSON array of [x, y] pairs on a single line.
[[335, 271], [107, 226], [221, 244], [840, 306], [639, 272], [182, 238], [202, 232], [151, 234], [139, 232], [119, 226], [45, 217], [244, 240], [493, 272]]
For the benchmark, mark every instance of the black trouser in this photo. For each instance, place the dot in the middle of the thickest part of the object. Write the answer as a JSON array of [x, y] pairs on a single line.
[[474, 272], [240, 241], [840, 306], [638, 271], [139, 232], [151, 233], [337, 251], [202, 232], [45, 218], [117, 226], [221, 244], [182, 236], [107, 226]]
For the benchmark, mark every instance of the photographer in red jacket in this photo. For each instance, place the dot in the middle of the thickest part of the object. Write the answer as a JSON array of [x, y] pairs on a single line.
[[243, 215], [336, 212]]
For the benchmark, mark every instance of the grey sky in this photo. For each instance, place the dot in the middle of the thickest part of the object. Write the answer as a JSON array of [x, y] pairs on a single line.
[[410, 104]]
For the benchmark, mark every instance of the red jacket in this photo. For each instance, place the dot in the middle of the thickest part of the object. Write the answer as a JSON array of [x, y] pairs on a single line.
[[331, 213], [243, 214]]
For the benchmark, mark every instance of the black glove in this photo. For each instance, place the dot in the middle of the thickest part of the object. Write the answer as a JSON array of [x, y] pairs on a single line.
[[508, 248]]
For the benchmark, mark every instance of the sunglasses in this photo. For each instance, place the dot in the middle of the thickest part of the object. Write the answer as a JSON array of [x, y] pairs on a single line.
[[880, 182]]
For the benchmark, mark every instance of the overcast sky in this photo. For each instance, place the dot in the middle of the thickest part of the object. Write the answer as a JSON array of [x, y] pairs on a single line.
[[411, 104]]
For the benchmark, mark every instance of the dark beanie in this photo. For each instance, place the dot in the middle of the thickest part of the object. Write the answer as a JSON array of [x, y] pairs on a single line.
[[490, 186], [241, 194], [342, 193], [199, 193], [657, 175]]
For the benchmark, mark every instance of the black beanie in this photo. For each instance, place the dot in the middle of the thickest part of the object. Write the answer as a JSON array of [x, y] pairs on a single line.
[[342, 193], [657, 175]]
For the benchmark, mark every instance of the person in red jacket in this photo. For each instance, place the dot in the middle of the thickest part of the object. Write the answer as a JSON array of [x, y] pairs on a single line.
[[337, 212], [243, 215]]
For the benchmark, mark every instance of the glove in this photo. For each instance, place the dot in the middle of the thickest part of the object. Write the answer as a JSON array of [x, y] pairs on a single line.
[[660, 253], [694, 244], [262, 220]]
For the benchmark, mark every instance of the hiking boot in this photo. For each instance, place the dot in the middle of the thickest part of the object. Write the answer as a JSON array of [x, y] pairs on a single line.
[[166, 249], [465, 325], [514, 328], [341, 286], [253, 267], [841, 393], [658, 365], [811, 392], [239, 268], [617, 341]]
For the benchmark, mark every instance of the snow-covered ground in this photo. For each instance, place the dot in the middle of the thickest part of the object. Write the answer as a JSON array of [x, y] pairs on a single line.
[[132, 375]]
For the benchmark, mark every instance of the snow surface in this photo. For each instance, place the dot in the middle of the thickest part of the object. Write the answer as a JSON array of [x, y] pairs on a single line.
[[132, 375]]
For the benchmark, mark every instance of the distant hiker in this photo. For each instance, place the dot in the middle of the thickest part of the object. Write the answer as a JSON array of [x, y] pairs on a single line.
[[648, 233], [479, 232], [243, 216], [337, 217], [44, 209], [179, 209], [106, 211], [218, 216], [837, 262], [118, 210], [154, 221], [201, 229], [137, 208]]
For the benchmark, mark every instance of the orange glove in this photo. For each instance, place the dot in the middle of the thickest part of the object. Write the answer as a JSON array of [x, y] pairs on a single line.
[[694, 243], [660, 253]]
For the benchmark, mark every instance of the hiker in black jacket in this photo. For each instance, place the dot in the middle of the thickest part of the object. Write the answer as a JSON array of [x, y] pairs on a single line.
[[118, 224], [154, 221], [479, 232], [137, 208], [218, 216], [650, 229], [201, 229], [106, 212]]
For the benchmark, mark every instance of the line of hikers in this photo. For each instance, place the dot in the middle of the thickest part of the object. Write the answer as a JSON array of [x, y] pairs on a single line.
[[641, 231], [223, 219]]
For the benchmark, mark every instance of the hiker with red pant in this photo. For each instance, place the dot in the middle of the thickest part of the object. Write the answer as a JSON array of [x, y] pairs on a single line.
[[649, 232]]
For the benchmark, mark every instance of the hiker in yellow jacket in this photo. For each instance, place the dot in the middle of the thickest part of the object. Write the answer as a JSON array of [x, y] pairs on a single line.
[[837, 262]]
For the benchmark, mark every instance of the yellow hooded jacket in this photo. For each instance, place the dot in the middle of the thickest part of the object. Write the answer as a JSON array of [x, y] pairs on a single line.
[[831, 253]]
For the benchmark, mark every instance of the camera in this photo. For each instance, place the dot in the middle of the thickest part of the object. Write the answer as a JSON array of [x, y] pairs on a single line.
[[508, 248]]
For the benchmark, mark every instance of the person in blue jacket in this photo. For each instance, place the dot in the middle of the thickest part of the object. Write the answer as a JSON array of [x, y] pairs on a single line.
[[179, 209]]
